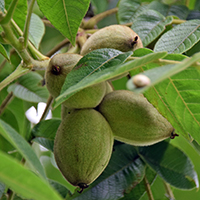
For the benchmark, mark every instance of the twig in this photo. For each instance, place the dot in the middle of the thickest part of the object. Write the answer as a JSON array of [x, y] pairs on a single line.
[[164, 61], [16, 74], [6, 101], [10, 12], [32, 49], [148, 189], [58, 47], [94, 20], [178, 21], [27, 24], [168, 190], [10, 194], [3, 64], [49, 102]]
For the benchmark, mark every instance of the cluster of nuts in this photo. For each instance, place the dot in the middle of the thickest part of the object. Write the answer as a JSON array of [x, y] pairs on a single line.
[[93, 117]]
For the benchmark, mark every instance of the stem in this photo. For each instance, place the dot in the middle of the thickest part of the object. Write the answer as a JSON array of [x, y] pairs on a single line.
[[6, 101], [164, 61], [49, 102], [10, 12], [3, 64], [47, 23], [32, 49], [74, 49], [170, 194], [11, 38], [178, 21], [148, 189], [81, 38], [20, 70], [27, 25], [58, 47], [94, 20]]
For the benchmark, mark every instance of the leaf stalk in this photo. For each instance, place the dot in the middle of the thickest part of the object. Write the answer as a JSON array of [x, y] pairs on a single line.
[[148, 189], [10, 12], [94, 20], [27, 24], [168, 190], [5, 102]]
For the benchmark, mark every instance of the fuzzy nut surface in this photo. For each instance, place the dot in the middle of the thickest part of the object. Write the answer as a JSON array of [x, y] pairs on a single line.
[[83, 146], [133, 119], [118, 37]]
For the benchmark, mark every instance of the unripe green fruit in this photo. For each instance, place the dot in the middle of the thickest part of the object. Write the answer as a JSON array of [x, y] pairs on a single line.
[[89, 97], [59, 67], [109, 87], [133, 119], [118, 37], [83, 146]]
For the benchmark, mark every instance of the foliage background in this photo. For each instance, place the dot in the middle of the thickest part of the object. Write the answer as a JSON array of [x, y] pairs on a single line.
[[20, 123]]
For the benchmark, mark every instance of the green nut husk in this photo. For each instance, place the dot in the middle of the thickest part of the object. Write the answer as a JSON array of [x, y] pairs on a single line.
[[83, 146], [118, 37], [59, 66], [133, 119], [56, 73]]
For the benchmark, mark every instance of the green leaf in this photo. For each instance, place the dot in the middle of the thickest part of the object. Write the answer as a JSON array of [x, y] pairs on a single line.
[[92, 63], [159, 74], [36, 30], [171, 164], [29, 88], [46, 128], [124, 171], [180, 11], [61, 189], [3, 52], [23, 181], [2, 189], [129, 10], [65, 15], [177, 99], [2, 5], [22, 146], [180, 38], [140, 189], [99, 6], [149, 25], [19, 13], [109, 73], [47, 143]]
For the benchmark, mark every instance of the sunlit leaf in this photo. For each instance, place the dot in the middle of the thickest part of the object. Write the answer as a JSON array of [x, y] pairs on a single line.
[[65, 15], [36, 30], [22, 146], [180, 11], [92, 63], [19, 13], [129, 10], [46, 128], [149, 25], [159, 74], [29, 88], [180, 38], [3, 52], [23, 181], [171, 164]]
